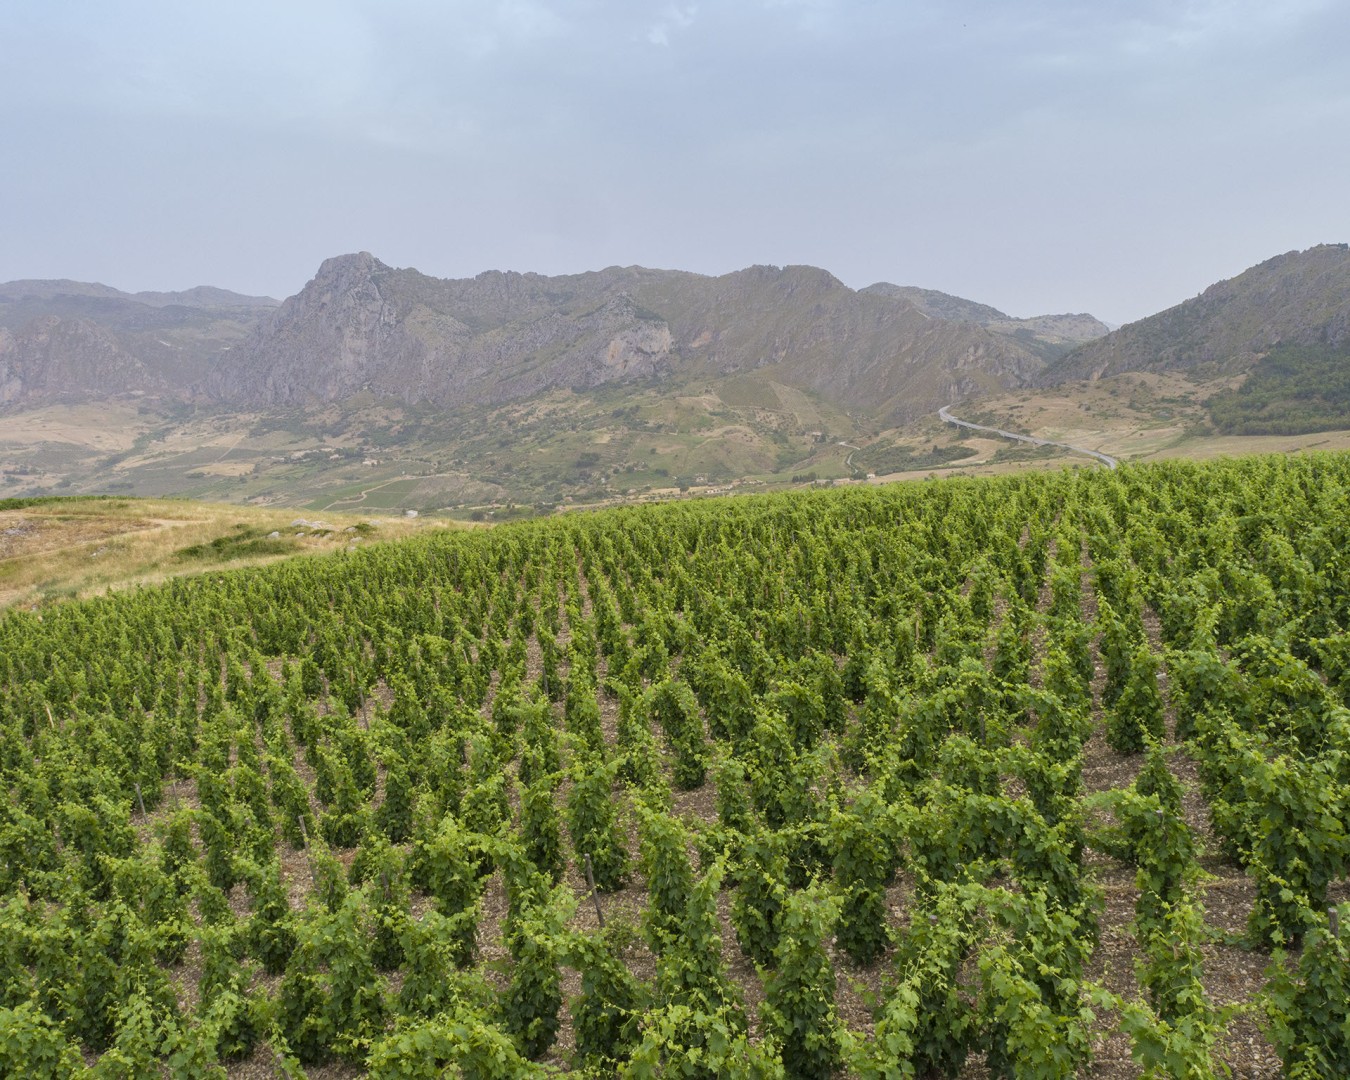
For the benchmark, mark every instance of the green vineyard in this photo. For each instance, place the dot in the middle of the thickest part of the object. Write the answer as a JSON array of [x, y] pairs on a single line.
[[1037, 776]]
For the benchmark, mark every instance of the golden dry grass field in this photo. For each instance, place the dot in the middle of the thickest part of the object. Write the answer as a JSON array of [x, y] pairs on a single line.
[[80, 547]]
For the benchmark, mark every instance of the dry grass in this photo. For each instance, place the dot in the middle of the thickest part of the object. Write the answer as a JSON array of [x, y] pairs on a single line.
[[82, 547], [98, 428]]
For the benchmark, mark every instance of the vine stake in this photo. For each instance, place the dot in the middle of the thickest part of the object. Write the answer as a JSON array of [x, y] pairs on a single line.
[[595, 896], [309, 850]]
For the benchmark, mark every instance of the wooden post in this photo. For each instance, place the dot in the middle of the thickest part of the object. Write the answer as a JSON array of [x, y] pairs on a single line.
[[1334, 919], [139, 800], [309, 851], [595, 896]]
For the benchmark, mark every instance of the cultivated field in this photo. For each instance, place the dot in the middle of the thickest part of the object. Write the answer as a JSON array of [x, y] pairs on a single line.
[[1035, 776]]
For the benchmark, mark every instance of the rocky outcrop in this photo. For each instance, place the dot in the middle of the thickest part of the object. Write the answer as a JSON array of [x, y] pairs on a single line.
[[361, 326]]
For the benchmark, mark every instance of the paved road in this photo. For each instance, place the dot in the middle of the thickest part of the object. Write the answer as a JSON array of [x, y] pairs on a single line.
[[948, 418], [848, 461]]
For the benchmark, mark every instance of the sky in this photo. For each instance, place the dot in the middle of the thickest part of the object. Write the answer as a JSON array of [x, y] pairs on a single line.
[[1108, 156]]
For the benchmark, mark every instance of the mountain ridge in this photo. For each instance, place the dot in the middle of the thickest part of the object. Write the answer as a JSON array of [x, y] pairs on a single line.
[[1297, 298], [380, 386], [362, 326], [71, 340], [197, 296]]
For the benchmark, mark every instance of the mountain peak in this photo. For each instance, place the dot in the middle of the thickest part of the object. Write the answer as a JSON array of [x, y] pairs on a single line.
[[791, 275], [356, 265]]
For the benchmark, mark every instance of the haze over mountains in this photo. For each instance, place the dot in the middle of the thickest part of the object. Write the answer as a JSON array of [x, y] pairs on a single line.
[[361, 327], [375, 386]]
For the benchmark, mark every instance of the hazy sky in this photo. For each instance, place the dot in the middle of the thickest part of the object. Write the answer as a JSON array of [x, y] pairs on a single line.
[[1109, 156]]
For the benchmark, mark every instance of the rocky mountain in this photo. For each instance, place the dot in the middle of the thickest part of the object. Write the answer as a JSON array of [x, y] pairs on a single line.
[[69, 340], [938, 305], [535, 390], [1050, 336], [362, 326], [1301, 298]]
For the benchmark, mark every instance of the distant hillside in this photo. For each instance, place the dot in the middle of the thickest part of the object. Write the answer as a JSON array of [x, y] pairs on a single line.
[[377, 388], [201, 296], [1049, 336], [361, 326], [938, 305], [1298, 299], [1292, 390], [70, 340], [363, 329]]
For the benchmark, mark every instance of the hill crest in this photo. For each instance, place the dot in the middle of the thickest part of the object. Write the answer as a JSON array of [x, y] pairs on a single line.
[[1298, 298]]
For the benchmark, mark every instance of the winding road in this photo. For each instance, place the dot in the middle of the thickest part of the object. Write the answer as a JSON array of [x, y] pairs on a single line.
[[948, 418]]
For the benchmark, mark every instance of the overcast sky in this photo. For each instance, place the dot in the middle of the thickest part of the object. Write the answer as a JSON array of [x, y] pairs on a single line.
[[1109, 156]]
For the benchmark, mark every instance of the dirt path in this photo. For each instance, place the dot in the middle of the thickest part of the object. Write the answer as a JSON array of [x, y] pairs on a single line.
[[231, 448], [359, 499]]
